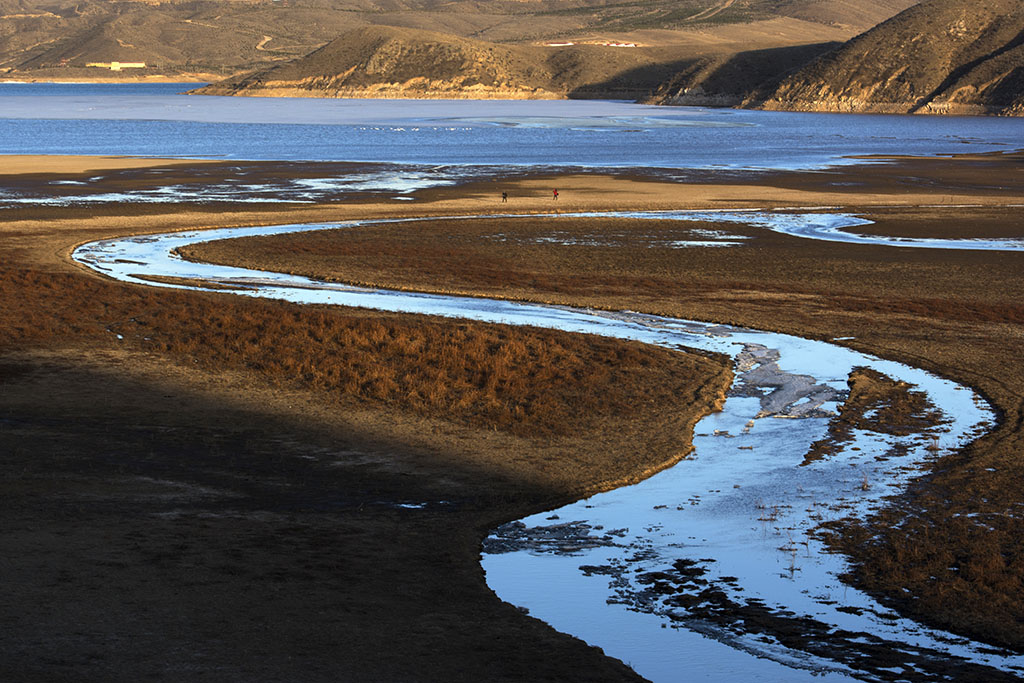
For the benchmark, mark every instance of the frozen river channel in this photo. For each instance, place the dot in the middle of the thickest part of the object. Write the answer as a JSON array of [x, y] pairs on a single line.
[[713, 569]]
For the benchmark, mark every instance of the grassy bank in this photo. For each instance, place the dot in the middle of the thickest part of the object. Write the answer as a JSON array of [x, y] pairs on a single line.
[[949, 551]]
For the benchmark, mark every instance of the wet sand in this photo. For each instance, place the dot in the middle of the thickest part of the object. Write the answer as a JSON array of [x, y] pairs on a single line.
[[172, 493]]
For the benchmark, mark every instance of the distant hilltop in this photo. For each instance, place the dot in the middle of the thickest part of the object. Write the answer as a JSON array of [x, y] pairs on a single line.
[[210, 40], [886, 56], [938, 57]]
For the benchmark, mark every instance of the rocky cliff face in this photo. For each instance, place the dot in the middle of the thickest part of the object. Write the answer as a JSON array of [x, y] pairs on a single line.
[[938, 57]]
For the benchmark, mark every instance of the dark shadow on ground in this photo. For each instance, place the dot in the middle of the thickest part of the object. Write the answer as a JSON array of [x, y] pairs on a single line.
[[153, 533]]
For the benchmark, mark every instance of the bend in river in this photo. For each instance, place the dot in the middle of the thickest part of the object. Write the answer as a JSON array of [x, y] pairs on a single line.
[[714, 567]]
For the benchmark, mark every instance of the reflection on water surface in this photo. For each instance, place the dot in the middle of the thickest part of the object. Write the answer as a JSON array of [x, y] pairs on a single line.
[[714, 567]]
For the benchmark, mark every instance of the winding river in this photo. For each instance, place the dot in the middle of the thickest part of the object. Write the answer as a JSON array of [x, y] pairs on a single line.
[[711, 570]]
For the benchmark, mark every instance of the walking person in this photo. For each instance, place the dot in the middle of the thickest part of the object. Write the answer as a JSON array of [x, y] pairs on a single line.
[[554, 195], [504, 197]]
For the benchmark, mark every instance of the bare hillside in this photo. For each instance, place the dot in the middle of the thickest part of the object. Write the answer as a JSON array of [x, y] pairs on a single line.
[[941, 56], [208, 39], [212, 39], [727, 79], [392, 62]]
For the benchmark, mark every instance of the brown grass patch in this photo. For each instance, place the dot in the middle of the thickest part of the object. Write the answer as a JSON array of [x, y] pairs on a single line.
[[946, 557], [524, 381], [876, 403]]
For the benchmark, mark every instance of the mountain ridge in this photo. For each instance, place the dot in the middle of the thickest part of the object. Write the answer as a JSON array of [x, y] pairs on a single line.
[[937, 57], [215, 39]]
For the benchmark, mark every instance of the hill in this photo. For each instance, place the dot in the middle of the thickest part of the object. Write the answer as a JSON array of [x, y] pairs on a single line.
[[395, 62], [202, 40], [214, 39], [938, 57], [392, 62]]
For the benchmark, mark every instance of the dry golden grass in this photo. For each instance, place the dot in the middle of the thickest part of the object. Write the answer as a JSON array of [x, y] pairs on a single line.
[[525, 381], [876, 403], [285, 436]]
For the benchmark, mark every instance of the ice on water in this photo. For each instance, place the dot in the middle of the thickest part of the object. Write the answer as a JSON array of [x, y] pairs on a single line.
[[709, 507]]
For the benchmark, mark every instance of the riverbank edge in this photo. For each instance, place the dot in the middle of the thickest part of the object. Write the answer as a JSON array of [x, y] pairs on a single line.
[[895, 198], [1004, 405]]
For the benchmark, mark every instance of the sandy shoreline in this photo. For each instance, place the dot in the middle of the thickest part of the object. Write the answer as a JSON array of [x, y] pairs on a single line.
[[182, 529], [64, 165]]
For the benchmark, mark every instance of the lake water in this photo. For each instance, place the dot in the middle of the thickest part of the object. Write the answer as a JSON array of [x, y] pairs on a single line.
[[153, 120]]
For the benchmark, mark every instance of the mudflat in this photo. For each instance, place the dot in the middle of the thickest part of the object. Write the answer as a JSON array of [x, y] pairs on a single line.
[[192, 494]]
